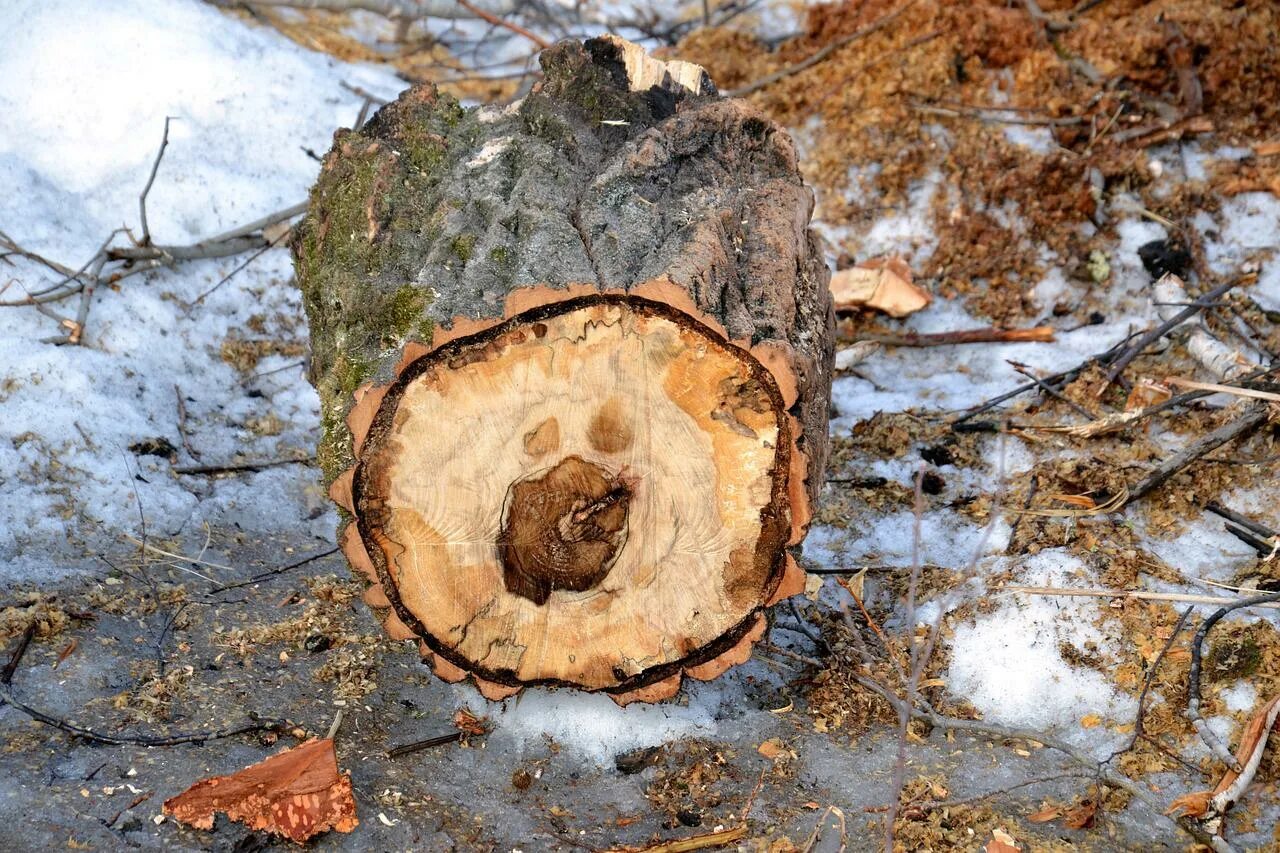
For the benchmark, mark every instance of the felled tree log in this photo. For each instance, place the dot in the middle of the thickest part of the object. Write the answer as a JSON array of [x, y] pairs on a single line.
[[574, 363]]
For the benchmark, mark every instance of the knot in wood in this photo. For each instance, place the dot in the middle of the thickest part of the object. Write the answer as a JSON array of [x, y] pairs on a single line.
[[563, 528]]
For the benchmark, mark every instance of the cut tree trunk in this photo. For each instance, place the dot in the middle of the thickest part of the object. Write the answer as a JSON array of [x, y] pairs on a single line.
[[574, 361]]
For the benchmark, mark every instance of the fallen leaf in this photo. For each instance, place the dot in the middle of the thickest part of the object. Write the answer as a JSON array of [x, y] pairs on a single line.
[[1001, 842], [467, 722], [1045, 815], [1266, 149], [1081, 816], [298, 794], [855, 584], [1090, 721], [883, 284], [771, 748]]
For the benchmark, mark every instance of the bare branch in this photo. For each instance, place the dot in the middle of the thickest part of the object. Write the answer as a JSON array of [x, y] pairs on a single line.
[[151, 179], [819, 56]]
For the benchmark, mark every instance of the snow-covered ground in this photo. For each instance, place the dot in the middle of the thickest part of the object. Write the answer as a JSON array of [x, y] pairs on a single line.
[[84, 92]]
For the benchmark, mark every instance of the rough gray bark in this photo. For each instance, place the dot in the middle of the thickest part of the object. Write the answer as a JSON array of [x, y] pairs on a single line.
[[430, 213]]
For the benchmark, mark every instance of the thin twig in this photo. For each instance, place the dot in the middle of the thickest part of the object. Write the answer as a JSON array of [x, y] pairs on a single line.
[[1112, 777], [1138, 594], [819, 56], [70, 728], [1252, 417], [1211, 740], [6, 676], [999, 119], [504, 23], [418, 746], [1155, 334], [151, 179], [226, 278], [1049, 389], [273, 572], [1140, 716], [241, 466], [989, 335]]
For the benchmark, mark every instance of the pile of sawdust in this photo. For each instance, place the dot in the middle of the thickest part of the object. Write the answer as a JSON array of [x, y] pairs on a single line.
[[1105, 86]]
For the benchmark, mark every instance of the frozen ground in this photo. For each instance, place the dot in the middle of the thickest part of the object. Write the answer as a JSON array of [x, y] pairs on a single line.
[[84, 92]]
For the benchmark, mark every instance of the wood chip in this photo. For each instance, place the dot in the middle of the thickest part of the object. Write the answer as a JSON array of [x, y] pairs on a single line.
[[883, 284], [297, 794], [1001, 842]]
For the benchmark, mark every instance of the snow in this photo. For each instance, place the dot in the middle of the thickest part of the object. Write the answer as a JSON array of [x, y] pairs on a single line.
[[592, 726], [955, 378], [86, 91], [1007, 663]]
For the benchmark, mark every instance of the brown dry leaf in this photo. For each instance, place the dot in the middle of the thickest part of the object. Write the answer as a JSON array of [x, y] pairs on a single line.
[[1001, 842], [1045, 815], [298, 793], [469, 723], [1267, 149], [883, 284], [855, 584], [771, 748], [1081, 816], [1090, 721]]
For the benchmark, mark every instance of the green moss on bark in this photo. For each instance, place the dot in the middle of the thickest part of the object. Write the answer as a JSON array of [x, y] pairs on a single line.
[[375, 212]]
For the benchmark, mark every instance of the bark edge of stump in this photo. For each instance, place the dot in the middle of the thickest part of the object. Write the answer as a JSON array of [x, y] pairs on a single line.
[[627, 208]]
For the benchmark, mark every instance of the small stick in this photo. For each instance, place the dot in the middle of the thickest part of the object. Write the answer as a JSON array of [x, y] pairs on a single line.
[[1249, 539], [1197, 650], [418, 746], [505, 24], [182, 424], [1215, 388], [989, 335], [1140, 717], [1244, 521], [241, 466], [1064, 376], [259, 224], [273, 572], [226, 278], [135, 740], [996, 119], [1155, 334], [1252, 418], [1049, 389], [806, 64], [1138, 594], [719, 838], [151, 179], [6, 676]]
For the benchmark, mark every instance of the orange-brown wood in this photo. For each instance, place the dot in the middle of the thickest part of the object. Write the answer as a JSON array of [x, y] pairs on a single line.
[[371, 418]]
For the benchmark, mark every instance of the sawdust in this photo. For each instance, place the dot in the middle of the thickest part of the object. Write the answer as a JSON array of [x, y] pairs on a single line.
[[1002, 207]]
